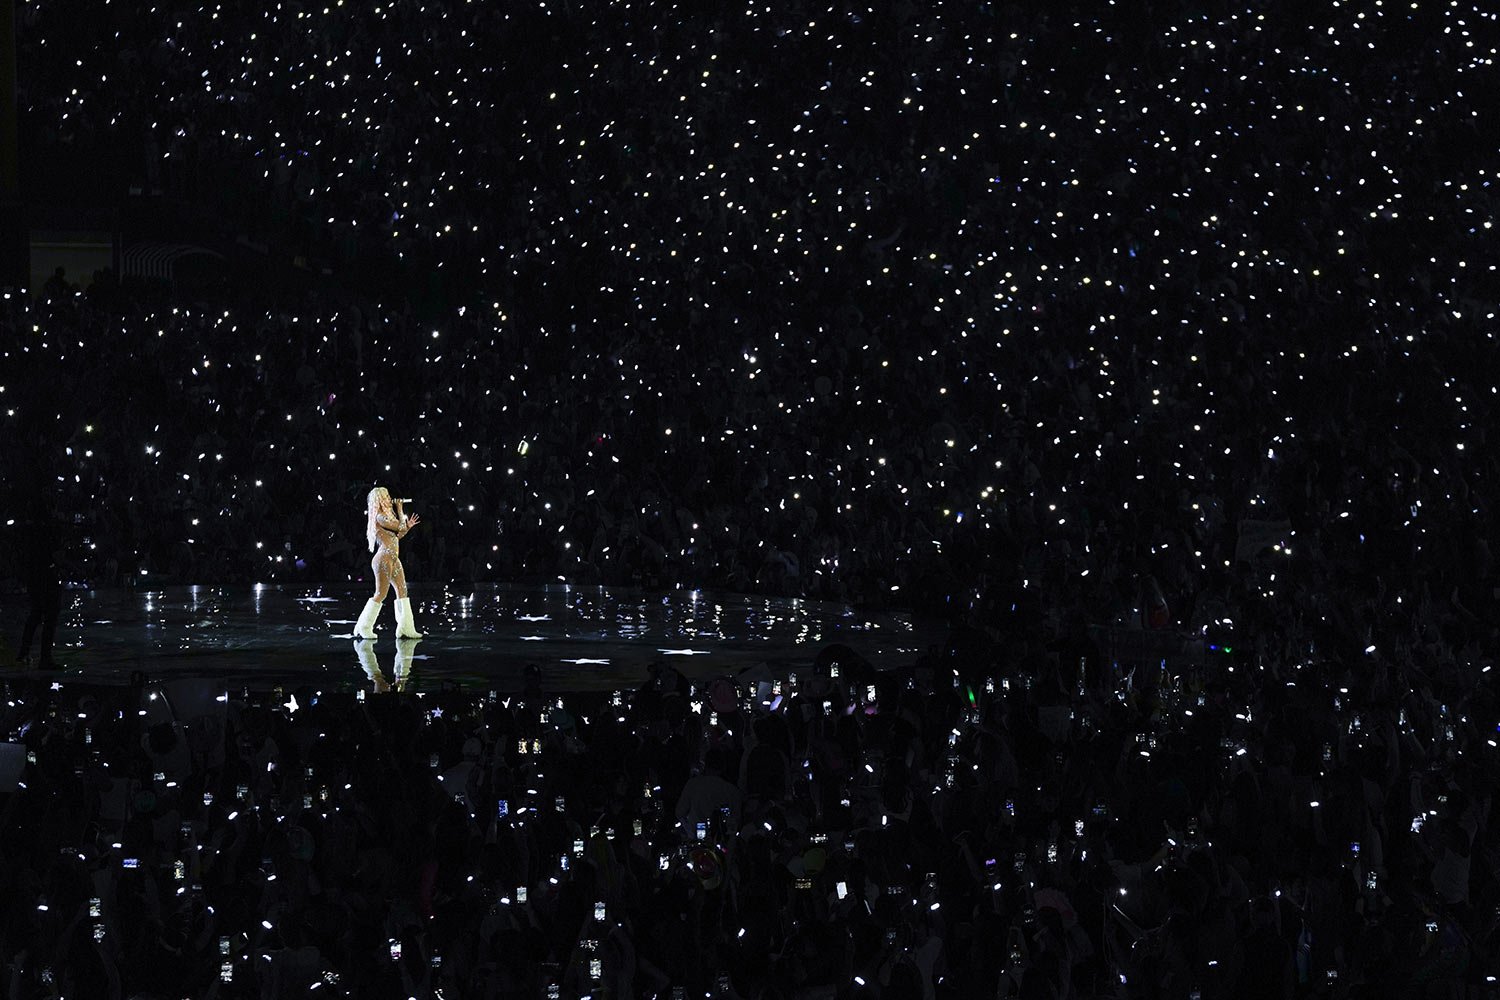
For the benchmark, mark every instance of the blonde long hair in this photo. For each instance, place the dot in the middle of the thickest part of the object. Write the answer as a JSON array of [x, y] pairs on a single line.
[[372, 508]]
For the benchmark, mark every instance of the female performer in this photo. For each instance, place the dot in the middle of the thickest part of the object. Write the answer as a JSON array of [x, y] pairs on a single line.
[[386, 526]]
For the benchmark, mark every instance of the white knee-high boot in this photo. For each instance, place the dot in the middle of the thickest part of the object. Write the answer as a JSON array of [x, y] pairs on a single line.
[[365, 627], [406, 628]]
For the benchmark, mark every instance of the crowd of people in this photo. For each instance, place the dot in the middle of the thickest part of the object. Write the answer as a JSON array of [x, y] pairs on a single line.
[[997, 820], [1107, 304], [1034, 317]]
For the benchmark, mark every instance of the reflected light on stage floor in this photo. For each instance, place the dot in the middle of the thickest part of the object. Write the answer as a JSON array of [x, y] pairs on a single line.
[[581, 638]]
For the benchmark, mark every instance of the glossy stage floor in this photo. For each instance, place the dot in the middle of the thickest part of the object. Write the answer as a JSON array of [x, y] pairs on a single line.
[[581, 638]]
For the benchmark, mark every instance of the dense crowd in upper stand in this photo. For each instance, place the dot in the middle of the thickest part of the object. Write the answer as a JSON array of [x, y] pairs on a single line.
[[948, 299], [820, 300], [1089, 344], [981, 825]]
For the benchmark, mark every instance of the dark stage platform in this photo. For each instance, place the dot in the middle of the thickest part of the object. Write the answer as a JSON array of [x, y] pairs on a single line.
[[582, 638]]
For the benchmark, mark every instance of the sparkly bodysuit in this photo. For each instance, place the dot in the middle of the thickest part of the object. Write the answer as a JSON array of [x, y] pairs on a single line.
[[387, 562]]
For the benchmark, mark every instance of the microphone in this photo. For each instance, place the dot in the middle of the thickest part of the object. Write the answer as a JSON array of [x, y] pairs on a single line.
[[404, 500]]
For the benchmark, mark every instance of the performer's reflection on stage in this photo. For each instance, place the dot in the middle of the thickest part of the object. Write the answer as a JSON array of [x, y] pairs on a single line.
[[365, 650], [404, 650]]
